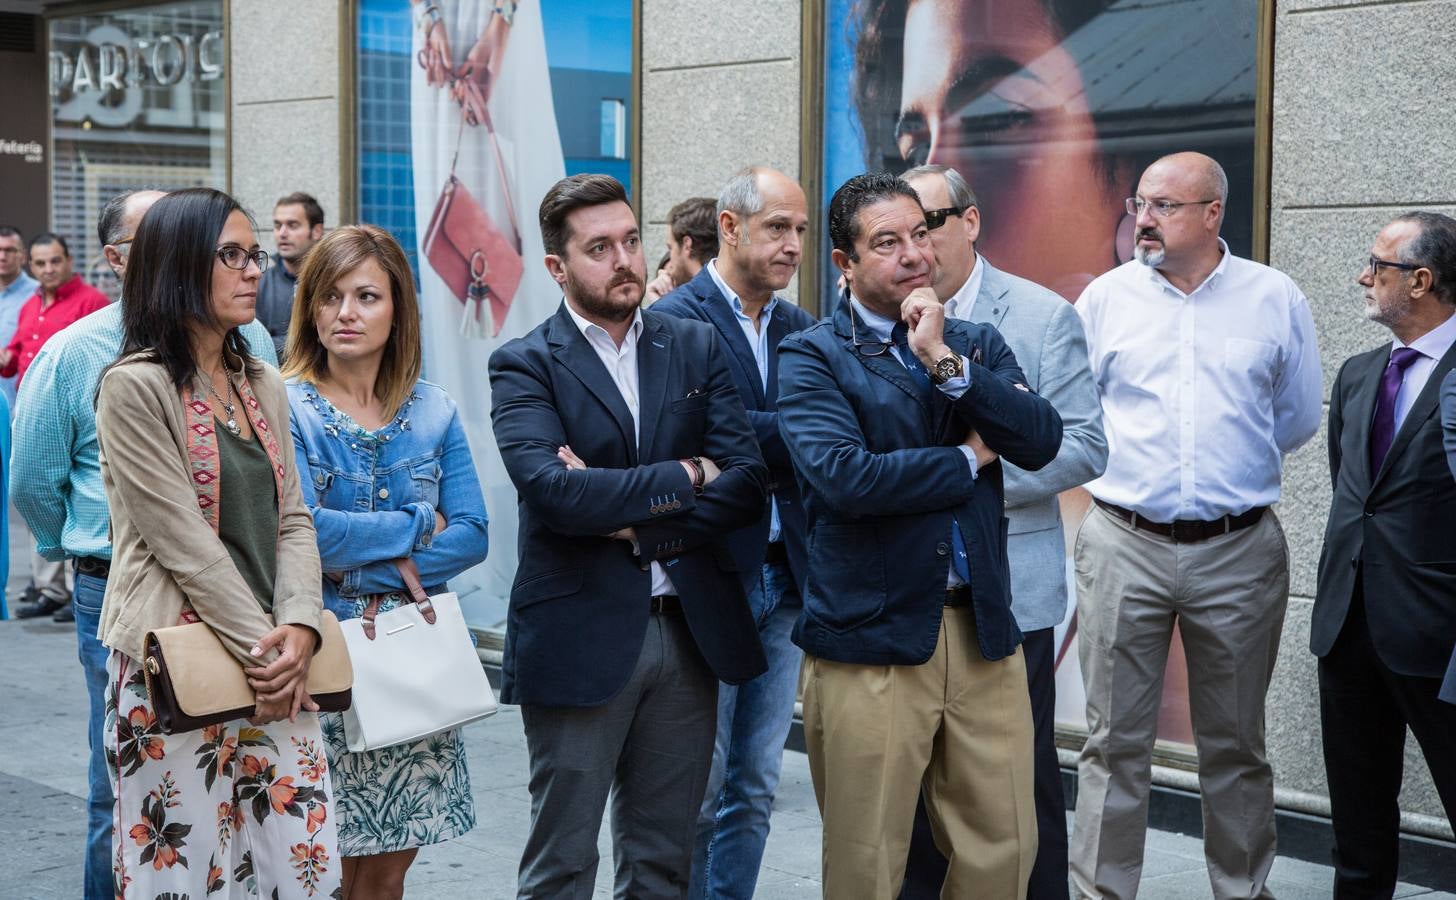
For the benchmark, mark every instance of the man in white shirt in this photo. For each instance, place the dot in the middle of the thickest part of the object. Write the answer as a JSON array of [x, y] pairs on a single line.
[[1208, 373], [1384, 621]]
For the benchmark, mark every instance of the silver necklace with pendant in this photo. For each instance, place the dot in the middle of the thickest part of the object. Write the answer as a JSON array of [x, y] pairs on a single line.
[[232, 420]]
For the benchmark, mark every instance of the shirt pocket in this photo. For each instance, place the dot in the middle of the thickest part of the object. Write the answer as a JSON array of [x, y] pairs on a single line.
[[323, 484], [1249, 369], [426, 480]]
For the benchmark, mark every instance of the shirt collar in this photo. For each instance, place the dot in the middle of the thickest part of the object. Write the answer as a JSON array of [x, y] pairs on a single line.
[[961, 303], [282, 269], [878, 325], [733, 299], [1433, 343], [1157, 278], [592, 331]]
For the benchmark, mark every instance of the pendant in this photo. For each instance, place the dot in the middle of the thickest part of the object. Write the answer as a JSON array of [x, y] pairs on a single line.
[[232, 425]]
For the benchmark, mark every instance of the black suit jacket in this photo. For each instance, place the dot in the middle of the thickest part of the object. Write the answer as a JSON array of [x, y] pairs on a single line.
[[579, 606], [1394, 529], [700, 299], [882, 477]]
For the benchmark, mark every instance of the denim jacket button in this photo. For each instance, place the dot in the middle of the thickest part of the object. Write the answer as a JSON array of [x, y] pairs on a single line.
[[384, 493]]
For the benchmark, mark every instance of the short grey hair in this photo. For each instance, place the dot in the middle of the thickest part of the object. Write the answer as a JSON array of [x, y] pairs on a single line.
[[109, 225], [956, 185], [740, 195], [1434, 248], [1218, 181]]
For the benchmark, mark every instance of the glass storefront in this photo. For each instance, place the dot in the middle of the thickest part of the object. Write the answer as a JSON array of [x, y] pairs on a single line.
[[138, 98]]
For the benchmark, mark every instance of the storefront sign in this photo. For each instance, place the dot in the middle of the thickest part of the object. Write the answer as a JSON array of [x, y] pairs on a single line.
[[112, 61]]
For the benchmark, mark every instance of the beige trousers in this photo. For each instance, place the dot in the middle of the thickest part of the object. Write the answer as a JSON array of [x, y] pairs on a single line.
[[958, 727], [1228, 596]]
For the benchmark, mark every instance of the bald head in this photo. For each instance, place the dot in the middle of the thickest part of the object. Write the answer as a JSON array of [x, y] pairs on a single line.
[[762, 217], [118, 223], [1202, 174]]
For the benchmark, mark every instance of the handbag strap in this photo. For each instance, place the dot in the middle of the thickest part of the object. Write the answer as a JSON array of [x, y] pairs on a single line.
[[500, 167], [411, 575]]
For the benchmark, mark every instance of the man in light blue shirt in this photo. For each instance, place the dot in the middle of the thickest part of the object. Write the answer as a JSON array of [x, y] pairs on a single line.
[[55, 483], [16, 287]]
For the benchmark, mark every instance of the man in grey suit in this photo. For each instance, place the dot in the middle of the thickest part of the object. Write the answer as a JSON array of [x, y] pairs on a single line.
[[1046, 336]]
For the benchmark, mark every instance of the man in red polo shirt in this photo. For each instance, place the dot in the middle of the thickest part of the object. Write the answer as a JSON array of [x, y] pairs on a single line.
[[61, 299]]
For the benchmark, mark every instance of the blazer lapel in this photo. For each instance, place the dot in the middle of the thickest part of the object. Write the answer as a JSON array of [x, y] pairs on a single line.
[[1361, 414], [1420, 411], [654, 356], [720, 313], [577, 356], [992, 301], [778, 329], [886, 365]]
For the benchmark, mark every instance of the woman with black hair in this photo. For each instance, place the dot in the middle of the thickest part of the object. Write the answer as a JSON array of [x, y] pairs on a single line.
[[209, 525]]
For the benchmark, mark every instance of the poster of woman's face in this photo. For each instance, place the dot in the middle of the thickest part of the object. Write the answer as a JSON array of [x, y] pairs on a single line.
[[1051, 110]]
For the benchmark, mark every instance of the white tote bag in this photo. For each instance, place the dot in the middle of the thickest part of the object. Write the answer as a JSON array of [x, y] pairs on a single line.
[[415, 670]]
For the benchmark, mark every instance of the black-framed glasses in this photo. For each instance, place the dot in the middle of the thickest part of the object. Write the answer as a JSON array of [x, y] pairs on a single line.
[[1161, 208], [1376, 262], [865, 348], [235, 257], [934, 218]]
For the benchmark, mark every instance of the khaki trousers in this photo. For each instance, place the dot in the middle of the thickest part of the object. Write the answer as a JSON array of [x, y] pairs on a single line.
[[958, 727], [1227, 595]]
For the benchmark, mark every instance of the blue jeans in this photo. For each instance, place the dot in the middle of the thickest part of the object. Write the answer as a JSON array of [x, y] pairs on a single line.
[[86, 601], [753, 721]]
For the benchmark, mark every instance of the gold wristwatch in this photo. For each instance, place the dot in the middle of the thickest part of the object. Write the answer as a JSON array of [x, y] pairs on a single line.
[[946, 368]]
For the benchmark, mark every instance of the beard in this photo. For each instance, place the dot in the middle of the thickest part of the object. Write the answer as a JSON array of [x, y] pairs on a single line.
[[1390, 313], [599, 303], [1150, 258]]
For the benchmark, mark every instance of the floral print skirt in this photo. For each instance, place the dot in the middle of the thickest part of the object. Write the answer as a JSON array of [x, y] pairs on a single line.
[[395, 798], [231, 810]]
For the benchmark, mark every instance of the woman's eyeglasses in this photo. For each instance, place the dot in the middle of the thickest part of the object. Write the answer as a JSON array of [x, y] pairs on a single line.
[[237, 258]]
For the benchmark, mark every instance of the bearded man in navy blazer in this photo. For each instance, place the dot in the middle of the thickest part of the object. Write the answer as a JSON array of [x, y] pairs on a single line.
[[895, 419], [633, 458], [762, 217]]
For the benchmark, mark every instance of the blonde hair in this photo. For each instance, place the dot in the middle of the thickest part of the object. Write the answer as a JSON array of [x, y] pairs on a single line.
[[340, 252]]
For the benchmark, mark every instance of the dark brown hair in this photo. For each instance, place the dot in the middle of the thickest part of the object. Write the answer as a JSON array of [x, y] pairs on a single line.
[[697, 218], [311, 209], [567, 196]]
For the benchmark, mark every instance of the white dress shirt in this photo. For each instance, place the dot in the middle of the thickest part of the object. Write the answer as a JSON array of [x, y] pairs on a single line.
[[1432, 346], [1201, 392], [963, 302], [621, 363], [953, 388], [757, 336]]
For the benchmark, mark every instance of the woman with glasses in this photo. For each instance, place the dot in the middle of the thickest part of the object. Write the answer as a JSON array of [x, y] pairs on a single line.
[[209, 525], [388, 474]]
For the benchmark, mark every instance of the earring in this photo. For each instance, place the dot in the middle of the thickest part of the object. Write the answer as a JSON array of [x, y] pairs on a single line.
[[1122, 239]]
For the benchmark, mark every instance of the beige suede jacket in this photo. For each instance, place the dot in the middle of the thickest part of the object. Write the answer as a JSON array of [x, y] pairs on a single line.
[[163, 550]]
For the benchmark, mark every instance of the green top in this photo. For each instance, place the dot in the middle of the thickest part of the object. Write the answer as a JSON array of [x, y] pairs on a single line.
[[247, 523]]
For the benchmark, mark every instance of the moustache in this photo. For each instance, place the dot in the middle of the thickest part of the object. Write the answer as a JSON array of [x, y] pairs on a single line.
[[1152, 233], [628, 278]]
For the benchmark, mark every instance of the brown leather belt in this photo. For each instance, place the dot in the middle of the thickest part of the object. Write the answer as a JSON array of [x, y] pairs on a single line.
[[1186, 531], [958, 596], [666, 604], [776, 554], [93, 566]]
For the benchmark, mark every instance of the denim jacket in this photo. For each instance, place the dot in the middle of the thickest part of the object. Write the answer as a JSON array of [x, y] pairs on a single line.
[[374, 494]]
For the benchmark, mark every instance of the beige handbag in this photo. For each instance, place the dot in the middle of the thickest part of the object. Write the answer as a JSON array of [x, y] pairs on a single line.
[[193, 681]]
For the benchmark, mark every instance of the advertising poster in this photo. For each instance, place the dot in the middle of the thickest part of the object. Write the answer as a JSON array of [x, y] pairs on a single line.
[[464, 125], [1051, 109]]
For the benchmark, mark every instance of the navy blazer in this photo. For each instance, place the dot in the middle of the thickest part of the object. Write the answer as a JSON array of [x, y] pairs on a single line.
[[580, 602], [701, 299], [882, 475]]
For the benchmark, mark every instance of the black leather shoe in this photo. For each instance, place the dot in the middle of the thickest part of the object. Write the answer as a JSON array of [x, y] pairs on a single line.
[[64, 614], [45, 606]]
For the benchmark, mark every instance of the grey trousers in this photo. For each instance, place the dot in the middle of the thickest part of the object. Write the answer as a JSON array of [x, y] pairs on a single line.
[[649, 748], [1228, 596]]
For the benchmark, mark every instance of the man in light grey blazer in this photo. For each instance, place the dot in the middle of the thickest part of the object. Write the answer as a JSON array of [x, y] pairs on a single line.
[[1044, 332]]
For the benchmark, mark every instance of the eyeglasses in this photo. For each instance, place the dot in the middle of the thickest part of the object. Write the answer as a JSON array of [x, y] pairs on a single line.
[[237, 258], [1376, 262], [934, 218], [7, 251], [864, 348], [1161, 208]]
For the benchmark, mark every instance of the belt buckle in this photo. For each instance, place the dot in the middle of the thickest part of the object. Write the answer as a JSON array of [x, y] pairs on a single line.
[[1176, 533]]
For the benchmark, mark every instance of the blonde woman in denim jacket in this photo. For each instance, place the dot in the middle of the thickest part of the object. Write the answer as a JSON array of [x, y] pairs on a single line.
[[387, 473]]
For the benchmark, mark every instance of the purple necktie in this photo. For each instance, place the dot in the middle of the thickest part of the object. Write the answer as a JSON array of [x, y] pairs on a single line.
[[1382, 430]]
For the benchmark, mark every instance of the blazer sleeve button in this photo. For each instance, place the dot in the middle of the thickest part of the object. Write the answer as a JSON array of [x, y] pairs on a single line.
[[942, 549]]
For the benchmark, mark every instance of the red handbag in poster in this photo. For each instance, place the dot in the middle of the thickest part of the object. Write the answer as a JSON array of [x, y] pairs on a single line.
[[469, 251]]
